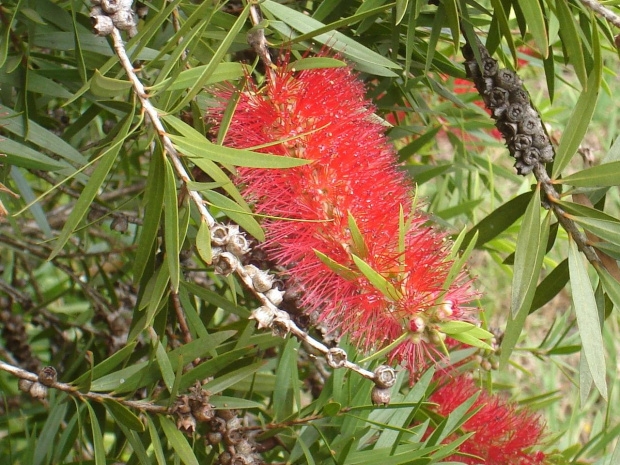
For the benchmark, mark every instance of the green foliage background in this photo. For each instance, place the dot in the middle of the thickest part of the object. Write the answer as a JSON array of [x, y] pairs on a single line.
[[102, 234]]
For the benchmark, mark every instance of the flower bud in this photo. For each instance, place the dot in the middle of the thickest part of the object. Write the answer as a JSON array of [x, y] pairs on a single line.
[[336, 357], [262, 281], [225, 263], [380, 396], [219, 235], [385, 376], [48, 376], [24, 385], [38, 391]]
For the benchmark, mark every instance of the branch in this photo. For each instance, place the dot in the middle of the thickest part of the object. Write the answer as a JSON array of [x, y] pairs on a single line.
[[231, 245], [37, 386], [605, 12], [522, 128]]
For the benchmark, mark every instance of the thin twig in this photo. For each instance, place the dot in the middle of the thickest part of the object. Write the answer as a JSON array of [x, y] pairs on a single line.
[[72, 390], [603, 11]]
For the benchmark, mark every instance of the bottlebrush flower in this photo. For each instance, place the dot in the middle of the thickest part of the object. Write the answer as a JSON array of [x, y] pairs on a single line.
[[352, 183], [503, 433]]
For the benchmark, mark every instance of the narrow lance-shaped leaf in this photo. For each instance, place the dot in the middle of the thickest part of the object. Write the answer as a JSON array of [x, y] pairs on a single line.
[[526, 272], [92, 188], [381, 283], [536, 24], [178, 442], [582, 113], [123, 415], [515, 325], [587, 318], [215, 60], [605, 175], [171, 222], [98, 445]]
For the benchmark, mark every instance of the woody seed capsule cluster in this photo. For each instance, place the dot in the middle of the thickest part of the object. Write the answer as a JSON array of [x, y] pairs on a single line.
[[510, 106]]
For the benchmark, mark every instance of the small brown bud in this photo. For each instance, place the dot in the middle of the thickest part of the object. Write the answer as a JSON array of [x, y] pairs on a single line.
[[48, 376], [385, 376], [521, 141], [497, 97], [507, 79], [262, 281], [489, 67], [102, 25], [380, 396], [225, 263], [238, 245], [242, 459], [219, 235], [38, 391], [24, 385], [516, 112], [119, 224], [530, 125], [225, 458], [336, 357], [214, 438], [186, 423]]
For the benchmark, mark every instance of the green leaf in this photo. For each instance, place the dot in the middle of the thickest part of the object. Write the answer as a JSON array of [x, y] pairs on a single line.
[[499, 220], [230, 378], [203, 242], [217, 57], [236, 213], [571, 39], [123, 415], [458, 327], [98, 445], [156, 442], [336, 267], [579, 121], [349, 48], [13, 123], [551, 286], [154, 198], [501, 17], [165, 367], [226, 402], [315, 63], [91, 189], [526, 264], [605, 229], [202, 148], [587, 318], [610, 285], [224, 72], [401, 9], [47, 436], [533, 14], [286, 396], [378, 281], [605, 175], [103, 86], [171, 222], [178, 442], [467, 338], [515, 324], [359, 244], [18, 154], [108, 364]]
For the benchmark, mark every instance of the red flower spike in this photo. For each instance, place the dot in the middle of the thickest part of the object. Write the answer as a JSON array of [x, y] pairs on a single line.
[[322, 115], [503, 433]]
